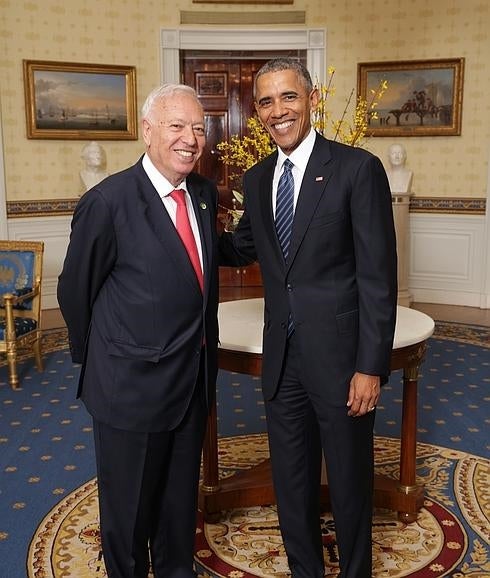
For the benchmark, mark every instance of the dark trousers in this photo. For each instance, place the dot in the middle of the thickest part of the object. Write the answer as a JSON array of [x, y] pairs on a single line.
[[300, 423], [147, 484]]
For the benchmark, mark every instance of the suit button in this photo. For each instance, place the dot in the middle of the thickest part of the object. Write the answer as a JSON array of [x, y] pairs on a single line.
[[289, 287]]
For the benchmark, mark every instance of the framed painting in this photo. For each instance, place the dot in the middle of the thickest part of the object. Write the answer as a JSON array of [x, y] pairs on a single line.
[[67, 100], [424, 97]]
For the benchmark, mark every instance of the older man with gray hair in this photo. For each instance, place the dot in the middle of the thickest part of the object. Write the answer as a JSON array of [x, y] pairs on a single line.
[[139, 293]]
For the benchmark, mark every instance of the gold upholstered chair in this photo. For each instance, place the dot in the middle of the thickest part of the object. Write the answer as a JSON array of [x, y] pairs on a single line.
[[20, 301]]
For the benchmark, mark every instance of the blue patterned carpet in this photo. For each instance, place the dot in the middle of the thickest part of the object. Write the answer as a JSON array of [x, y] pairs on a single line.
[[46, 447]]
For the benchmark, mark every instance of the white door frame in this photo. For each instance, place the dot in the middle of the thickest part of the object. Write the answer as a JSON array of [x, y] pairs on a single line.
[[3, 192], [172, 40]]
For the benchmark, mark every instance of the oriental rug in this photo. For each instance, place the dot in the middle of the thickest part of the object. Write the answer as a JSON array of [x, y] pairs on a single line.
[[48, 492], [449, 538]]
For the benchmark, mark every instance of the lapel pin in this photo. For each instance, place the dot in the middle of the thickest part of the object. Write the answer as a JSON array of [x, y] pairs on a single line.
[[318, 179], [203, 205]]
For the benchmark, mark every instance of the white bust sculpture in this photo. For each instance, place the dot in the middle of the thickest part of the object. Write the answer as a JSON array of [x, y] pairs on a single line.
[[95, 165], [399, 177]]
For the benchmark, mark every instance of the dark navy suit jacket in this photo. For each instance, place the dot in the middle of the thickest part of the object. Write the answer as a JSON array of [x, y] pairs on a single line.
[[339, 281], [136, 317]]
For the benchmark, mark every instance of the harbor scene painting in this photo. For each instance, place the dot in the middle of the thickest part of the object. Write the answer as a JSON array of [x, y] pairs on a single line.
[[80, 101]]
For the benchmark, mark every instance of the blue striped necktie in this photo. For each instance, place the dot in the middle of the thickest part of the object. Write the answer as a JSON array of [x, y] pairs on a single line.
[[284, 217], [285, 207]]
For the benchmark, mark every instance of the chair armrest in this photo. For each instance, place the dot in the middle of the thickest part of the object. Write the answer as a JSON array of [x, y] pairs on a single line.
[[18, 299], [8, 302], [24, 296]]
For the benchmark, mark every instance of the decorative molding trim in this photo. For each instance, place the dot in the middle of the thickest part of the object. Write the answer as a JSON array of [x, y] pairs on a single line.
[[49, 207], [448, 205], [313, 40], [453, 205], [241, 18]]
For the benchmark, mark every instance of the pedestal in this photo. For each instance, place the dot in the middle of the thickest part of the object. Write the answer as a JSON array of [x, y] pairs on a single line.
[[401, 215]]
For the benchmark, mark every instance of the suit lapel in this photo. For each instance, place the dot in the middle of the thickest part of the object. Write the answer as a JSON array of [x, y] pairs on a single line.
[[160, 222], [203, 212], [265, 195], [318, 172]]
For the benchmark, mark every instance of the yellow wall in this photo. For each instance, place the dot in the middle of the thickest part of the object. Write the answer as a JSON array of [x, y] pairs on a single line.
[[127, 32]]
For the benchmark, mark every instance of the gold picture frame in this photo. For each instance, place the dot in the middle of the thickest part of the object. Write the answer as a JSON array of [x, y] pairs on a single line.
[[69, 100], [424, 97]]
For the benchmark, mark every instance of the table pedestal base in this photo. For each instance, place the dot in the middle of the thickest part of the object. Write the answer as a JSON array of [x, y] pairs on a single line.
[[253, 487]]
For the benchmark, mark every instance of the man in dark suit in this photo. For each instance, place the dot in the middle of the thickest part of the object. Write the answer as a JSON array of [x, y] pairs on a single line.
[[329, 279], [141, 312]]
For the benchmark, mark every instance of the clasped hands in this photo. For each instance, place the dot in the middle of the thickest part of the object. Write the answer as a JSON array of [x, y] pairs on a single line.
[[364, 394]]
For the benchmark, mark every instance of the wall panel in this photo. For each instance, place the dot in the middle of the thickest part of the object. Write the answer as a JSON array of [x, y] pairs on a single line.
[[447, 256], [55, 232], [447, 259]]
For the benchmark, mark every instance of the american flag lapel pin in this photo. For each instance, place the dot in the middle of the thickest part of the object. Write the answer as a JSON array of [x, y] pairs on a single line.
[[318, 179]]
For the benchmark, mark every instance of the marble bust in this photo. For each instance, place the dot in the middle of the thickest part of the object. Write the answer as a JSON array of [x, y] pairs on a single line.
[[95, 169], [399, 177]]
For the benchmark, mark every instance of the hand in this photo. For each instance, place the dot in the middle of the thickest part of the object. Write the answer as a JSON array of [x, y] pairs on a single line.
[[363, 394]]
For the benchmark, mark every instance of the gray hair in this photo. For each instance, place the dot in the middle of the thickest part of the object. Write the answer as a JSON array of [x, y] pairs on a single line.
[[286, 63], [162, 92]]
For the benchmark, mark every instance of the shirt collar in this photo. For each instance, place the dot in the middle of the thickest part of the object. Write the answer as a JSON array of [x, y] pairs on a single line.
[[301, 154], [163, 186]]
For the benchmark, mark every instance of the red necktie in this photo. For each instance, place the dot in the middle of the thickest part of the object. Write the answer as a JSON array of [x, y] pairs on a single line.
[[184, 230]]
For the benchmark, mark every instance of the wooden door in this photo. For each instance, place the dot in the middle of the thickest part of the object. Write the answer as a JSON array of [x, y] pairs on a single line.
[[225, 90]]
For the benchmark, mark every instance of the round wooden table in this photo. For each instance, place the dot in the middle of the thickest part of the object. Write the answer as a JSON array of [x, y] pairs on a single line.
[[241, 324]]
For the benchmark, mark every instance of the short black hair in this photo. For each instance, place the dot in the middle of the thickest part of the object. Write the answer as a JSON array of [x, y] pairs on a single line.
[[286, 63]]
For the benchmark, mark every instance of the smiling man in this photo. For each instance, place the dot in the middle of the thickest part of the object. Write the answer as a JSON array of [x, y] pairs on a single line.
[[139, 294], [318, 219]]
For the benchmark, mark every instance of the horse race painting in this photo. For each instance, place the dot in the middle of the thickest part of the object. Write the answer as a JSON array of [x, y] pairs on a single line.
[[424, 97]]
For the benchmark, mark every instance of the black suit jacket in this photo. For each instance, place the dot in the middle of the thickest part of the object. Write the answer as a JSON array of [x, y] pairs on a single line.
[[132, 303], [339, 281]]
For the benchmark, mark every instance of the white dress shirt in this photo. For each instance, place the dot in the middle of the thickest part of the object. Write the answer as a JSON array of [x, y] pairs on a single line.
[[299, 157], [164, 188]]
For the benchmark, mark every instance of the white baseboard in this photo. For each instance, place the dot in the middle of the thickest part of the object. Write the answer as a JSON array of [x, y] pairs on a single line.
[[447, 297]]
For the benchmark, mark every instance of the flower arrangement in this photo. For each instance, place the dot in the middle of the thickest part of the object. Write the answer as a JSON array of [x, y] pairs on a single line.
[[242, 154], [245, 152], [354, 132]]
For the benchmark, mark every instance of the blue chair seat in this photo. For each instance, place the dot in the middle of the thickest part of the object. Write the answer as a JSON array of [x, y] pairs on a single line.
[[22, 326]]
